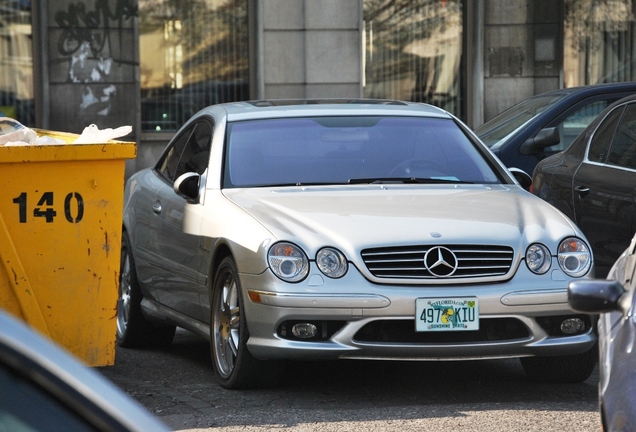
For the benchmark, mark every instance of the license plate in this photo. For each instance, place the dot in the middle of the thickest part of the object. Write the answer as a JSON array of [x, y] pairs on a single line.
[[446, 314]]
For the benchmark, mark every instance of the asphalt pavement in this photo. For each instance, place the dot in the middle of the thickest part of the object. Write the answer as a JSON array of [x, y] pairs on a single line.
[[179, 386]]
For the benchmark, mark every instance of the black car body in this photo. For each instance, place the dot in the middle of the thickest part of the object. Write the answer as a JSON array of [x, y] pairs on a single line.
[[547, 123], [614, 300], [594, 182], [44, 388]]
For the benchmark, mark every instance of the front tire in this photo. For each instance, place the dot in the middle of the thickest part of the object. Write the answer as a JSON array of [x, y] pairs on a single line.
[[234, 365], [561, 369], [133, 329]]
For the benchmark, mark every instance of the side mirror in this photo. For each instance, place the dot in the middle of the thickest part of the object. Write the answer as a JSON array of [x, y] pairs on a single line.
[[595, 295], [187, 186], [522, 177], [544, 138]]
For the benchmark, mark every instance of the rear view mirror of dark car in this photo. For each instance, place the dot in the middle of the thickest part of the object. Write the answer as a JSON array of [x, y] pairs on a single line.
[[544, 138]]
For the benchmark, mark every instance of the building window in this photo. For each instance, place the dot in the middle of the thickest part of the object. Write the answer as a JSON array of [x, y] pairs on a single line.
[[599, 42], [192, 54], [413, 51], [16, 63]]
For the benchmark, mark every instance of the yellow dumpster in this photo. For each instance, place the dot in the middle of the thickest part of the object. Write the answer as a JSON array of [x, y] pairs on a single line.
[[60, 240]]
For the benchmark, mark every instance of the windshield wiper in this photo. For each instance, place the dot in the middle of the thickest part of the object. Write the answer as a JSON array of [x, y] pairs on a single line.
[[404, 180], [371, 180], [301, 184]]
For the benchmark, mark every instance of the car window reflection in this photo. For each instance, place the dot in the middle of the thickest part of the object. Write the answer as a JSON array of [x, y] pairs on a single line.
[[25, 407], [300, 151]]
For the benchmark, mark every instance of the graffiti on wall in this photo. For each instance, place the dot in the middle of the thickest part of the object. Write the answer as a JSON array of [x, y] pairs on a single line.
[[92, 38]]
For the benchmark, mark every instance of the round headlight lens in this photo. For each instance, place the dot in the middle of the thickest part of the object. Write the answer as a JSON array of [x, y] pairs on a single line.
[[574, 257], [331, 262], [288, 262], [538, 258]]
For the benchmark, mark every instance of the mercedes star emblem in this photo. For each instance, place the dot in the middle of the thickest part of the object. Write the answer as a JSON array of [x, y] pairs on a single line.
[[440, 261]]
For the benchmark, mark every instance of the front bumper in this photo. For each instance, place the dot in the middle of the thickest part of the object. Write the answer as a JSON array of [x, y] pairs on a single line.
[[374, 321]]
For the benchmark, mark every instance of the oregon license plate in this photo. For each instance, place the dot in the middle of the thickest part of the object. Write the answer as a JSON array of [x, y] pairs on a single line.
[[446, 314]]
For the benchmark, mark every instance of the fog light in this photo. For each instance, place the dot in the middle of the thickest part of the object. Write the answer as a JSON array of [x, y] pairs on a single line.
[[304, 330], [572, 325]]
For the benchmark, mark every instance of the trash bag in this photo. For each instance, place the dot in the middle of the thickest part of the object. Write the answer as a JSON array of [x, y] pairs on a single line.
[[12, 131], [93, 135]]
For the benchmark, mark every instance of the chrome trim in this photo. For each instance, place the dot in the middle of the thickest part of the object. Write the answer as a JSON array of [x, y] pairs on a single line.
[[332, 301], [526, 298]]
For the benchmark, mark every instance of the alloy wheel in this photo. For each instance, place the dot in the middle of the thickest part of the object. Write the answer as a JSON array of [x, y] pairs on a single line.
[[227, 325], [124, 301]]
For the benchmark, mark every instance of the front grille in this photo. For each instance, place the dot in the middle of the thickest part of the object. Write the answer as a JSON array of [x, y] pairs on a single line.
[[407, 262], [403, 331]]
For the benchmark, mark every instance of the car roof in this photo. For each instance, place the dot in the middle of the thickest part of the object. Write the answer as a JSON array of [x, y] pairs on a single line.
[[593, 89], [621, 101], [276, 108]]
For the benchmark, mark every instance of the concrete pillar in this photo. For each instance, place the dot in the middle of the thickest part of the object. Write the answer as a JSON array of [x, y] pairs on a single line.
[[310, 48], [522, 51], [474, 52]]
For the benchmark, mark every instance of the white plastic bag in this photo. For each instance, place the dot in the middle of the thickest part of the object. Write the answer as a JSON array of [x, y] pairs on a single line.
[[45, 140], [93, 135], [12, 132]]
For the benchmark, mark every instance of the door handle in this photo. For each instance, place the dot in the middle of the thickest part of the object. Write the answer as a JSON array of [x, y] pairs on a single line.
[[582, 191], [156, 207]]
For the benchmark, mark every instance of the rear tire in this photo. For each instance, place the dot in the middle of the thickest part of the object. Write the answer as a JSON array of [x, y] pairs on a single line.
[[133, 329], [234, 365], [561, 369]]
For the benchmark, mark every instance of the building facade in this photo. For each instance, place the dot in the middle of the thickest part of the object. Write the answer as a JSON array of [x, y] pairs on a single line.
[[65, 64]]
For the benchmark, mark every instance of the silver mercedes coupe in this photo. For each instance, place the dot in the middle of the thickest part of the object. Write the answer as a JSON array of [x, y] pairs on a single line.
[[347, 229]]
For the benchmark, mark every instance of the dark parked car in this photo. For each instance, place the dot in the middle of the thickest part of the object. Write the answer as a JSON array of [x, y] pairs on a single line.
[[594, 182], [43, 388], [614, 300], [547, 123]]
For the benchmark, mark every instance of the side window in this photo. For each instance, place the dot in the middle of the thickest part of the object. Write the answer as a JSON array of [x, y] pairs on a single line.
[[600, 142], [167, 165], [196, 153], [576, 122], [623, 150], [189, 152], [25, 406]]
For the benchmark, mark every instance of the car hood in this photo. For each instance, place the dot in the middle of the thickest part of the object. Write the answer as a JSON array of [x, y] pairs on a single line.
[[360, 216]]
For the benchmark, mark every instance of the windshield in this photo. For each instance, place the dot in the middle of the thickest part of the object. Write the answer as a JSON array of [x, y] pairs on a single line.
[[497, 130], [350, 150]]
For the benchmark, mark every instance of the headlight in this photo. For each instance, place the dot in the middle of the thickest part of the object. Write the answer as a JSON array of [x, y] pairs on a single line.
[[538, 258], [288, 262], [331, 262], [574, 256]]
